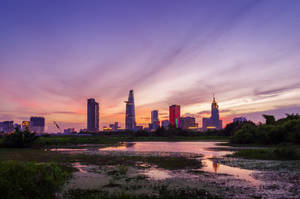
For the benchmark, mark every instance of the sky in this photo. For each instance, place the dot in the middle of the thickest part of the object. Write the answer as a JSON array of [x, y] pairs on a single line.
[[56, 54]]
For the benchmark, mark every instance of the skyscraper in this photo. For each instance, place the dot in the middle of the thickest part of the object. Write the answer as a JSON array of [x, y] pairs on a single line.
[[92, 115], [154, 120], [174, 115], [37, 124], [130, 112], [165, 123], [213, 122], [188, 123]]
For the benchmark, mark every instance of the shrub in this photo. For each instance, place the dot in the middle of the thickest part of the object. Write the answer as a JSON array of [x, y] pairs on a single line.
[[245, 135], [20, 139], [21, 180]]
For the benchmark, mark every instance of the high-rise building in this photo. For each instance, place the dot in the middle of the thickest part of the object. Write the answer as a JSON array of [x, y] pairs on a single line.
[[239, 119], [114, 126], [213, 122], [69, 131], [165, 123], [37, 124], [7, 126], [130, 113], [188, 123], [25, 125], [154, 120], [174, 115], [92, 115]]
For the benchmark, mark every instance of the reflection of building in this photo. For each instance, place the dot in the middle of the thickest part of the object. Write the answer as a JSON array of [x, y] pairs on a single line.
[[165, 123], [37, 124], [7, 126], [130, 112], [188, 123], [25, 125], [216, 165], [92, 115], [154, 120], [174, 115], [213, 122], [239, 119]]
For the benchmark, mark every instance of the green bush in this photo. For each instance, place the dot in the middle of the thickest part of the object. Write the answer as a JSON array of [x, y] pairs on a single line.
[[20, 139], [285, 130], [20, 180], [245, 135]]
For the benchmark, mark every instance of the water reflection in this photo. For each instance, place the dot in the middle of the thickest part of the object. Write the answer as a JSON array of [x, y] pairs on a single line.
[[216, 165], [208, 149], [67, 149], [79, 167]]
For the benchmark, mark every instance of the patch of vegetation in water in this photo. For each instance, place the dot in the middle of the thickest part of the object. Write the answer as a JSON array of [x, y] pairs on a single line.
[[113, 139], [279, 153], [36, 155], [20, 180], [163, 193]]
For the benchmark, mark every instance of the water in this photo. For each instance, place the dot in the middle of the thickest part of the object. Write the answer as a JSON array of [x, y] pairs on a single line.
[[207, 149], [244, 178]]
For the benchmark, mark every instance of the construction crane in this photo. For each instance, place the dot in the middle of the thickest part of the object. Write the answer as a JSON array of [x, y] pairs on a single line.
[[57, 126]]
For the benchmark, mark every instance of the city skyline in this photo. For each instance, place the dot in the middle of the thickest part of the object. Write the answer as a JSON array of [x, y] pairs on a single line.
[[54, 56]]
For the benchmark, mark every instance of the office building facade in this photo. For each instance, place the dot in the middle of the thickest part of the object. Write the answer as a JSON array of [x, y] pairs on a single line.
[[239, 119], [155, 124], [92, 116], [37, 124], [7, 126], [187, 123], [174, 116]]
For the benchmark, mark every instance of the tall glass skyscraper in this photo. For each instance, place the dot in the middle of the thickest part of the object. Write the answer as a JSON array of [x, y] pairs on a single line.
[[92, 115], [174, 115], [130, 112]]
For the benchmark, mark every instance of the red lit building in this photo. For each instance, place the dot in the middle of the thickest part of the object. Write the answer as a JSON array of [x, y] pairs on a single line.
[[174, 115]]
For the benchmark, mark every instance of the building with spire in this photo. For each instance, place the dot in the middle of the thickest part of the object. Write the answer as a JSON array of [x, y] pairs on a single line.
[[214, 121], [130, 123]]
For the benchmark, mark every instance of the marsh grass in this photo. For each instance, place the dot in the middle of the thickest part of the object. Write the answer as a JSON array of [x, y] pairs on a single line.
[[37, 155], [163, 193], [107, 139], [278, 153], [23, 180]]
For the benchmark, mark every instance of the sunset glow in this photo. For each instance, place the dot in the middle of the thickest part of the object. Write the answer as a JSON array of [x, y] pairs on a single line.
[[182, 54]]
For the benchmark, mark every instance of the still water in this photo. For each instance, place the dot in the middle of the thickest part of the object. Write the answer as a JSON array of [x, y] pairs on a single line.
[[207, 149]]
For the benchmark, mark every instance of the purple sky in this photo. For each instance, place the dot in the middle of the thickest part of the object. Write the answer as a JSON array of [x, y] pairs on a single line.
[[56, 54]]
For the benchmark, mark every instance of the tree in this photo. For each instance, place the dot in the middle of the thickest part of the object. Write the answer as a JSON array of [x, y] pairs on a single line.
[[20, 139], [270, 119]]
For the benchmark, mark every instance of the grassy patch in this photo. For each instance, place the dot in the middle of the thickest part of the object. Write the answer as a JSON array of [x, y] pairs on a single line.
[[20, 180], [163, 193], [279, 153], [72, 140], [37, 155]]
